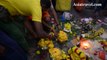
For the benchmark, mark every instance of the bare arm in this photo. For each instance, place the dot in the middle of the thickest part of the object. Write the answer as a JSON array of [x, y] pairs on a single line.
[[51, 29], [55, 15], [46, 24], [30, 29], [39, 29]]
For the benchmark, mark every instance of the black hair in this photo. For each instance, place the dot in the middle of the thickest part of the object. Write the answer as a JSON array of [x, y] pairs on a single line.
[[46, 3]]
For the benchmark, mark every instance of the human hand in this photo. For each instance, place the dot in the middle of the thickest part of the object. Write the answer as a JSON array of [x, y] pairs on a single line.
[[34, 35], [42, 34], [39, 30], [55, 33]]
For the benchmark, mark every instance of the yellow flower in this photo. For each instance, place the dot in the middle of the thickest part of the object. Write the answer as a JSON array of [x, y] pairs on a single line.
[[64, 55], [75, 54], [55, 53], [46, 43], [67, 26], [51, 33], [99, 32], [62, 36], [42, 43], [50, 44]]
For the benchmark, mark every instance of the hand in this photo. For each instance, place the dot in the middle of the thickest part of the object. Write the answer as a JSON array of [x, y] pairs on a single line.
[[31, 35], [42, 34], [39, 29], [34, 35], [55, 33]]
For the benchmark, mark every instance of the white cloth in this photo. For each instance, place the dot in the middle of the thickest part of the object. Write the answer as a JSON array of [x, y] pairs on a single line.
[[67, 15]]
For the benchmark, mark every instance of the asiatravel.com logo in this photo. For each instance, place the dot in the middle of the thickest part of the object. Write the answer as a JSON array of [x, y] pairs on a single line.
[[87, 4]]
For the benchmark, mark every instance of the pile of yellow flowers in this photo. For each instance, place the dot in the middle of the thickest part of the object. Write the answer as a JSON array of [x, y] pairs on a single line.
[[65, 56], [99, 32], [46, 43], [76, 53], [58, 54], [95, 33], [62, 36]]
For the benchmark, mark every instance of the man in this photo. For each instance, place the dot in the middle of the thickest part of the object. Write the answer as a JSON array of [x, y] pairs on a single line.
[[47, 12], [27, 8], [9, 8]]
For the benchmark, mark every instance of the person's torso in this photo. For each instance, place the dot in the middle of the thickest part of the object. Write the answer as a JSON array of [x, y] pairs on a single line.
[[22, 7]]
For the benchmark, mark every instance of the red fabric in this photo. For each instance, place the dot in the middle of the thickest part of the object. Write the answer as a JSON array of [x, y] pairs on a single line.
[[30, 17], [79, 8], [102, 55], [45, 14]]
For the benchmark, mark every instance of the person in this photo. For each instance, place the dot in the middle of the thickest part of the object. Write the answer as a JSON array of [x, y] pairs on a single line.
[[11, 8], [61, 7], [34, 9], [47, 15], [9, 49], [46, 22], [54, 11]]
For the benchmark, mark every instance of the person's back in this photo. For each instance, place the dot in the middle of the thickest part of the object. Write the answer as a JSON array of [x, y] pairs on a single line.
[[23, 7], [11, 8], [27, 8], [64, 5]]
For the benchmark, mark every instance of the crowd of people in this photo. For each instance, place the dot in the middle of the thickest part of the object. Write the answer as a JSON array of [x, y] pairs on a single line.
[[17, 16], [23, 19]]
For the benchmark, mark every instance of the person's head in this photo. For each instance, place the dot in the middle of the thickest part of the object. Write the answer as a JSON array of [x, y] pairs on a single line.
[[45, 4]]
